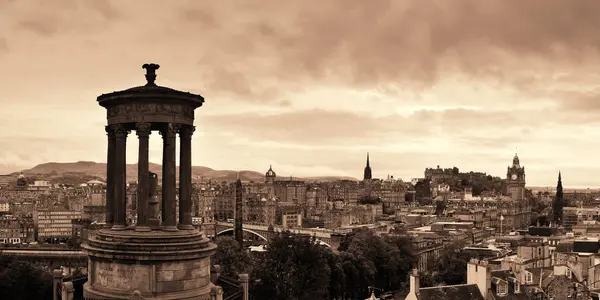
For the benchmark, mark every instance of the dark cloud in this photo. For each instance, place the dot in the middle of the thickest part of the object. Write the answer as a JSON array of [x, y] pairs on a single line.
[[38, 26], [383, 42], [106, 8], [3, 45], [314, 127], [585, 101], [50, 18], [319, 127]]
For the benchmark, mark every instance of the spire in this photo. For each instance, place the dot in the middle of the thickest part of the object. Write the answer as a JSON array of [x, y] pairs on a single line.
[[559, 177], [367, 173]]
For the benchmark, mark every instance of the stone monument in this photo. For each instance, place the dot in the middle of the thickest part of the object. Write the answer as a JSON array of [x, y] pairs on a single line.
[[158, 257]]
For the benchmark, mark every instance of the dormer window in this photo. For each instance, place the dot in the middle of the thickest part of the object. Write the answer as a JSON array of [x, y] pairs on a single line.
[[502, 288], [528, 277]]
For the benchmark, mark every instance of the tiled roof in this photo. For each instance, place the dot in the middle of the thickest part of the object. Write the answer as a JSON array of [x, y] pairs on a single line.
[[451, 292]]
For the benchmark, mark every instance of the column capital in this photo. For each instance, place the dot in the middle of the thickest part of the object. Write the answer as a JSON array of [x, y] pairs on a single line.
[[143, 129], [119, 130], [109, 131], [186, 132], [170, 130]]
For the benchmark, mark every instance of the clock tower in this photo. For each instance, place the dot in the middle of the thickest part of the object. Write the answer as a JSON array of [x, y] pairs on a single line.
[[515, 180]]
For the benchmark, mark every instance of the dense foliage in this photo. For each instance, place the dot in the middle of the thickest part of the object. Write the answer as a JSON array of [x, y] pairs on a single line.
[[449, 269], [369, 200], [21, 280], [293, 268], [232, 257], [299, 267]]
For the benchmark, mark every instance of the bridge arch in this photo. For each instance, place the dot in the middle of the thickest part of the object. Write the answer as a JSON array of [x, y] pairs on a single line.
[[245, 230]]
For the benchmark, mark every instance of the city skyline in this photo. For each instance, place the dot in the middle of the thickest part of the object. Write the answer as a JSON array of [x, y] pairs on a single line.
[[416, 86]]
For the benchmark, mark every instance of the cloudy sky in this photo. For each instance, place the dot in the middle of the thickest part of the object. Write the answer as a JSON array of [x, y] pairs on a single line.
[[310, 87]]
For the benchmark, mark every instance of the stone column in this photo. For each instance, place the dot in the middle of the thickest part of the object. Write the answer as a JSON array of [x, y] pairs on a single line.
[[216, 293], [57, 277], [67, 291], [120, 178], [110, 178], [243, 278], [169, 178], [185, 177], [143, 131]]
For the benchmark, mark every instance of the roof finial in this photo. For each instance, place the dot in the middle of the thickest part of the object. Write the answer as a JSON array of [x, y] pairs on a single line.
[[151, 72]]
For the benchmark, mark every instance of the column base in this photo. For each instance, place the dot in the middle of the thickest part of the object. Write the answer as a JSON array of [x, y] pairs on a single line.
[[118, 227], [142, 228], [185, 227], [169, 228]]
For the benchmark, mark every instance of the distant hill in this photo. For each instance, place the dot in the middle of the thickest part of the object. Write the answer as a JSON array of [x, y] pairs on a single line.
[[55, 172]]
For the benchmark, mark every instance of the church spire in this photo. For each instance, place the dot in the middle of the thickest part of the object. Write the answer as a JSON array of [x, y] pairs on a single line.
[[367, 174], [559, 178]]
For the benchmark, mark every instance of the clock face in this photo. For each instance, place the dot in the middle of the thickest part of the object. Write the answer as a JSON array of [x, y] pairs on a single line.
[[514, 176]]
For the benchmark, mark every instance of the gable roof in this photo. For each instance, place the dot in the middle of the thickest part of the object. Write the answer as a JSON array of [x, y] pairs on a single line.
[[451, 292]]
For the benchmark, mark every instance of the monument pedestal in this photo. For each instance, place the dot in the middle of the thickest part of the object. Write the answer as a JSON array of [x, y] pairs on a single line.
[[163, 265]]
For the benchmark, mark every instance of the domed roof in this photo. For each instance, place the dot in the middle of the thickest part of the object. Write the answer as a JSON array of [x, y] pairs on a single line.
[[270, 172], [149, 91]]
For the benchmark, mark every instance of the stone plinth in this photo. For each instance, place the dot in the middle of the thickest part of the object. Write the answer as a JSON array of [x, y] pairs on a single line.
[[159, 264]]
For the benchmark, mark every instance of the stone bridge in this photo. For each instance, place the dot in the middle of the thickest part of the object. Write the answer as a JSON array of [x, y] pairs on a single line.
[[261, 232], [50, 258]]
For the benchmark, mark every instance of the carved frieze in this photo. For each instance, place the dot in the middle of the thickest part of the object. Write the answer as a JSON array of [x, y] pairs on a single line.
[[150, 108]]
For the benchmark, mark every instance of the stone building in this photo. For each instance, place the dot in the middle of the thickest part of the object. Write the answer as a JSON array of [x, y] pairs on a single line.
[[11, 231], [54, 225]]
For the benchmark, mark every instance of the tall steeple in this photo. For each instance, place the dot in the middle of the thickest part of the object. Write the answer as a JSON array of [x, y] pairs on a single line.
[[367, 174], [559, 202]]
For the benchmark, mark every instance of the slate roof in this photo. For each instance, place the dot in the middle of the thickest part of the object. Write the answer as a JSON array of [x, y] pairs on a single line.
[[451, 292]]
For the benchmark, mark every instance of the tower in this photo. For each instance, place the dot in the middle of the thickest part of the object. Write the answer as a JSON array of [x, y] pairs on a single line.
[[239, 214], [559, 202], [367, 174], [270, 177], [155, 258], [515, 180]]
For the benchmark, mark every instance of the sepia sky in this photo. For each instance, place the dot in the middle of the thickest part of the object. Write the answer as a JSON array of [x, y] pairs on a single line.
[[311, 86]]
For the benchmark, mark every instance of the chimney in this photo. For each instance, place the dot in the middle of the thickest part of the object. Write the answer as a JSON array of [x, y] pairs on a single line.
[[414, 282], [479, 273]]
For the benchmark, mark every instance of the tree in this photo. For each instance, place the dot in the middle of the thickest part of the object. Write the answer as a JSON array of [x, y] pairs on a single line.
[[231, 257], [369, 200], [294, 267], [451, 267], [338, 277], [23, 280], [370, 259]]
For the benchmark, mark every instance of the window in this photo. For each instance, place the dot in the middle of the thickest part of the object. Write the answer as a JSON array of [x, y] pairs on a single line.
[[517, 287], [502, 288], [528, 277]]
